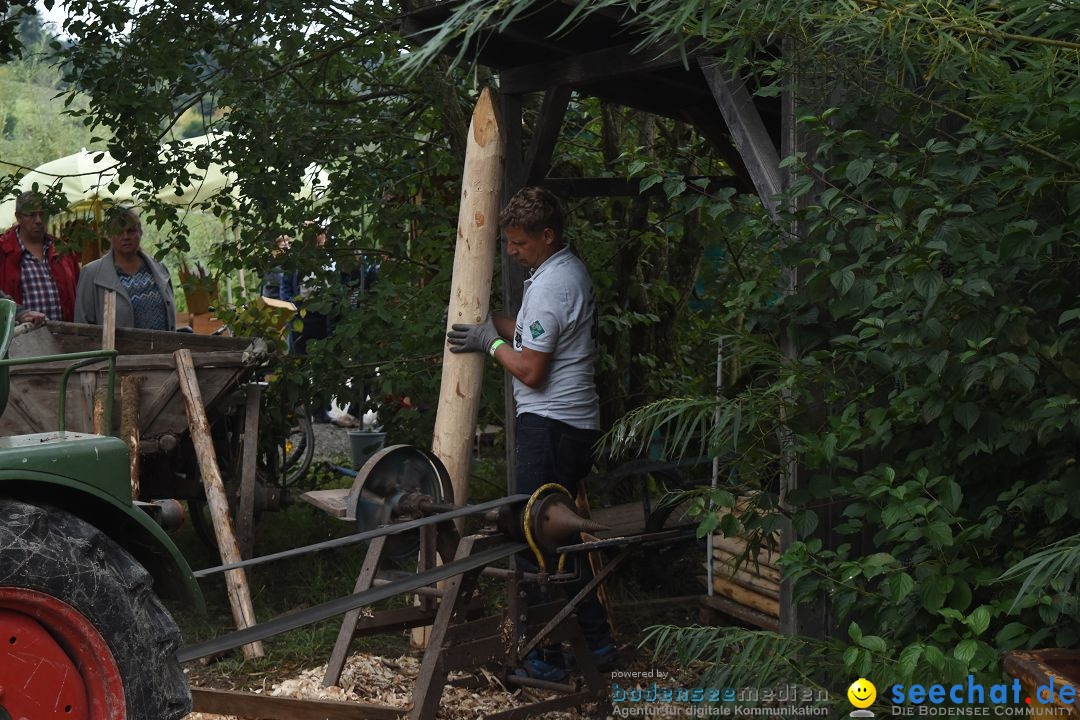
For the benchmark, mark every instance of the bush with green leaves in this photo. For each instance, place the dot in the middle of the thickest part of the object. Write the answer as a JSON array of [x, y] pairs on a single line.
[[932, 398]]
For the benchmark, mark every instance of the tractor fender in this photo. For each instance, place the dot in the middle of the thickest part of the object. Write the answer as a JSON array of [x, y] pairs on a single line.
[[124, 524]]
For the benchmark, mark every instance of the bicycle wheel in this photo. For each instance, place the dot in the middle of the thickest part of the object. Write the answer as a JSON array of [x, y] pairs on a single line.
[[298, 448]]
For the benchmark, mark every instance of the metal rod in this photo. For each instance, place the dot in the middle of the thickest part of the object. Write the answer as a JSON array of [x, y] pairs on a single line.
[[572, 604], [657, 538], [366, 535], [333, 608], [425, 591], [90, 358], [504, 574], [715, 465]]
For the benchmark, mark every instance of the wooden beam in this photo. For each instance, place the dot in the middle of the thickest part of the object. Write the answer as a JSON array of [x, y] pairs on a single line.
[[546, 133], [594, 67], [618, 187], [235, 580], [741, 612], [751, 138], [268, 707], [245, 511], [108, 342]]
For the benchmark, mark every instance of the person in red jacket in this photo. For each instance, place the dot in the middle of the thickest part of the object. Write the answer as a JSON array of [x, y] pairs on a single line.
[[32, 272]]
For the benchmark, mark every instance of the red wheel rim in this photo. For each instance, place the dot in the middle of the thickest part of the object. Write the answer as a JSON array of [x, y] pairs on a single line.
[[83, 645]]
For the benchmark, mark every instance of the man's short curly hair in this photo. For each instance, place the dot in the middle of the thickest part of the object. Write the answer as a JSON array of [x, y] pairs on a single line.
[[533, 209], [31, 201]]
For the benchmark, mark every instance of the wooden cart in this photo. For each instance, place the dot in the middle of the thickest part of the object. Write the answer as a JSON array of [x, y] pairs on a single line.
[[166, 466]]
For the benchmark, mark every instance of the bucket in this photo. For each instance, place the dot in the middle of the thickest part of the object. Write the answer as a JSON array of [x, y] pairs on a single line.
[[364, 444]]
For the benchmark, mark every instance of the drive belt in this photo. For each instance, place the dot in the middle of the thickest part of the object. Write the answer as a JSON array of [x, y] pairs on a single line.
[[393, 529], [340, 606]]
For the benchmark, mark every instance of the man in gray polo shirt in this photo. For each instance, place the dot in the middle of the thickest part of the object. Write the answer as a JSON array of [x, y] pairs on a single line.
[[550, 350]]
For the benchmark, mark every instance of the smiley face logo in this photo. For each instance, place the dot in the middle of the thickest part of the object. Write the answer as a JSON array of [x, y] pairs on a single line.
[[862, 693]]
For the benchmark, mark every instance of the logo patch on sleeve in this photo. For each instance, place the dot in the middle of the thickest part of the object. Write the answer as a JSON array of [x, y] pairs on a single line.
[[536, 329]]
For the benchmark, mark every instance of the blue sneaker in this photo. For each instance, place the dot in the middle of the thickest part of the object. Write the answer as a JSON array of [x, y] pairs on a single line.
[[536, 665]]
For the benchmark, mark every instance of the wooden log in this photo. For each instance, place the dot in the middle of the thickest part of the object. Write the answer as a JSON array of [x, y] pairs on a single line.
[[737, 546], [129, 424], [728, 562], [470, 294], [235, 580], [749, 581], [743, 596], [474, 261]]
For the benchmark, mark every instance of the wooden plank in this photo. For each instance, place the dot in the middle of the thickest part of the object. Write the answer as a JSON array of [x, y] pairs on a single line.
[[744, 596], [108, 327], [625, 519], [546, 133], [73, 337], [28, 415], [594, 67], [235, 580], [755, 583], [537, 709], [245, 511], [741, 612], [731, 562], [751, 138], [334, 502], [267, 707], [164, 396], [231, 360]]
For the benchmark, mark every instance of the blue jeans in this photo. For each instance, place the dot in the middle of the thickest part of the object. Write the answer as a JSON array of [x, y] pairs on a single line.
[[549, 451]]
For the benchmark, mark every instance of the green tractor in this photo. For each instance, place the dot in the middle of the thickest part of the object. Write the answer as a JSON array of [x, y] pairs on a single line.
[[83, 633]]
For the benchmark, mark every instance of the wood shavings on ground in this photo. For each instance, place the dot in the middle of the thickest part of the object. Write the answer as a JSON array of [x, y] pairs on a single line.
[[374, 679]]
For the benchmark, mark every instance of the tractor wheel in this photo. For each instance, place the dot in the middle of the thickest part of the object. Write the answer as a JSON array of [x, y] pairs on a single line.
[[82, 633]]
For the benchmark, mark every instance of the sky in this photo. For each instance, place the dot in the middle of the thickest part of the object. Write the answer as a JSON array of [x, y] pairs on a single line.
[[55, 16]]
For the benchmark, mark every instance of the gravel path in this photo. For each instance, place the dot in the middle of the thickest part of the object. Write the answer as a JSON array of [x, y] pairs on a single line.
[[332, 443]]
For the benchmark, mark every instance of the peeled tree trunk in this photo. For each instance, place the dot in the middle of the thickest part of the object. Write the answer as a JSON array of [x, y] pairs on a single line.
[[474, 262]]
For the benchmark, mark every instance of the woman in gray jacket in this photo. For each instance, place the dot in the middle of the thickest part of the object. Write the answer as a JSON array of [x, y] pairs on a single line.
[[144, 294]]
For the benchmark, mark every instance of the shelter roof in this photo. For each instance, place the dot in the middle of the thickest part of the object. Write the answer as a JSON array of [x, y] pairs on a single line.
[[596, 55]]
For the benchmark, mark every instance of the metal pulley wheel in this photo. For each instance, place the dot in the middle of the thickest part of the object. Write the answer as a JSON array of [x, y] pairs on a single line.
[[385, 479]]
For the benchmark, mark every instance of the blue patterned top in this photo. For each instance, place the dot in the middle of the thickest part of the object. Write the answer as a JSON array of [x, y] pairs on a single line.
[[146, 299]]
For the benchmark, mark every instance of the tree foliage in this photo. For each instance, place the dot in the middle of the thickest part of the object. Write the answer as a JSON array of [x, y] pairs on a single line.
[[285, 89], [932, 403]]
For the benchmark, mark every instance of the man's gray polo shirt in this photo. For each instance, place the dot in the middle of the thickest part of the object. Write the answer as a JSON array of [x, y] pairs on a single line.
[[558, 316]]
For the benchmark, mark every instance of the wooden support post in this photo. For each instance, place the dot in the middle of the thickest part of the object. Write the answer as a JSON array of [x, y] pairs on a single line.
[[474, 261], [546, 133], [130, 386], [235, 580], [245, 511], [752, 140], [108, 326], [364, 581], [108, 342], [432, 674]]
